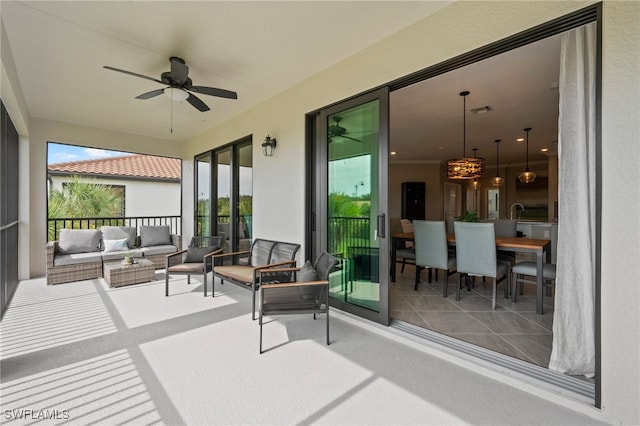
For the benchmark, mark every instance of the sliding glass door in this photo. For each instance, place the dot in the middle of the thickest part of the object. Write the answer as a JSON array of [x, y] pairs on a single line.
[[350, 201]]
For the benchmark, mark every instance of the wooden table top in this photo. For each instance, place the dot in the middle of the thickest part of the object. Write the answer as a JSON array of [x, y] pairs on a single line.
[[501, 242]]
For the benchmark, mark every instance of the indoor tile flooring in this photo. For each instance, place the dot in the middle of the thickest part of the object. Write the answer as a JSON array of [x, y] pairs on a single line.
[[512, 329]]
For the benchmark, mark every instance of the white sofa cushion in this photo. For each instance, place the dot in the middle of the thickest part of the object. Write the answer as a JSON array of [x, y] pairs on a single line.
[[77, 258]]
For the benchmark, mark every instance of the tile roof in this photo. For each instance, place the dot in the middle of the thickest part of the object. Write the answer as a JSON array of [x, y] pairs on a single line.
[[138, 165]]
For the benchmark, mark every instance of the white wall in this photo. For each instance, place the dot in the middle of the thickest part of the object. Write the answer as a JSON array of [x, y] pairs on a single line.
[[142, 197], [279, 180]]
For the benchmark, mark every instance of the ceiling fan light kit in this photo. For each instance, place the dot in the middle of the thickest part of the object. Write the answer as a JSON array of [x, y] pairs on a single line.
[[466, 167], [527, 176], [176, 94]]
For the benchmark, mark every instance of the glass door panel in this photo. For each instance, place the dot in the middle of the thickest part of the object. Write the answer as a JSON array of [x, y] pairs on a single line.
[[245, 197], [350, 202], [223, 196], [203, 194], [353, 203]]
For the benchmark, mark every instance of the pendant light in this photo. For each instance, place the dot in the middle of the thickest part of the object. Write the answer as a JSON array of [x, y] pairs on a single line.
[[475, 183], [527, 176], [497, 180], [465, 168]]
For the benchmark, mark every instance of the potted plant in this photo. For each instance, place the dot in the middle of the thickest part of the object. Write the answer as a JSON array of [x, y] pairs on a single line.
[[468, 217]]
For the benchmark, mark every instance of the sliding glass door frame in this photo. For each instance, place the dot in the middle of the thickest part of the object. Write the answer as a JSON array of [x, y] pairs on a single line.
[[212, 156], [318, 188]]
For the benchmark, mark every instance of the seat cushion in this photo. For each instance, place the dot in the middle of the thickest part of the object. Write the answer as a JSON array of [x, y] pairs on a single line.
[[240, 273], [76, 258], [163, 249], [120, 254], [154, 236], [186, 268], [78, 241], [118, 233], [529, 268]]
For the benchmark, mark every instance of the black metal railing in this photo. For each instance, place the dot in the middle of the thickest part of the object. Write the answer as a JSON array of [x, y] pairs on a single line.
[[348, 232], [55, 225]]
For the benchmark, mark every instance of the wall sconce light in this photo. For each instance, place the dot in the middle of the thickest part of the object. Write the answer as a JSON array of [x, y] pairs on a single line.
[[268, 146]]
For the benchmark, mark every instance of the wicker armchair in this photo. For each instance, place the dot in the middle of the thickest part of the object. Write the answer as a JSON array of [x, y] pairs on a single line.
[[197, 259]]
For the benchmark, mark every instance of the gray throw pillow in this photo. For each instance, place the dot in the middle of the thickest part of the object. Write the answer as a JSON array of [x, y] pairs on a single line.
[[195, 254], [154, 236], [307, 273], [78, 241], [119, 233]]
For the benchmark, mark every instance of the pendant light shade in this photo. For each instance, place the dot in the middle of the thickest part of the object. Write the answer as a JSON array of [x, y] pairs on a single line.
[[497, 180], [527, 176], [465, 168]]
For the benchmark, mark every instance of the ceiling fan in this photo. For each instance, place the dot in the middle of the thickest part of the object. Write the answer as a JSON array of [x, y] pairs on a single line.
[[179, 85], [336, 130]]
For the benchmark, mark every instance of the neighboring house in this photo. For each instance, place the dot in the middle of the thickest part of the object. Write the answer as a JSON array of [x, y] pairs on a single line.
[[150, 185]]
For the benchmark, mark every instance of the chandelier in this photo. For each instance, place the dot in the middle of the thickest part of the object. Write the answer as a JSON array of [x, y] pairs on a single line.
[[465, 168]]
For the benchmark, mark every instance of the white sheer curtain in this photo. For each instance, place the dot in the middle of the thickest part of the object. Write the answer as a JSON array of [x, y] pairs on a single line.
[[574, 317]]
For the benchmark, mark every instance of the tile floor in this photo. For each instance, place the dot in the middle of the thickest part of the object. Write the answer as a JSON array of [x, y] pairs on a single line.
[[512, 329]]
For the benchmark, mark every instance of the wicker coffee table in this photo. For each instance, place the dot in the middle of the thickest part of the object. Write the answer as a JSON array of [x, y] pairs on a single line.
[[117, 274]]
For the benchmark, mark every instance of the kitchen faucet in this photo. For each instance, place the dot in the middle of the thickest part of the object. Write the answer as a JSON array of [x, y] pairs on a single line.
[[516, 205]]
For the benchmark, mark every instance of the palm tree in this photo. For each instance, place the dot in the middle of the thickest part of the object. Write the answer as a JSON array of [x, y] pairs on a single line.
[[83, 198]]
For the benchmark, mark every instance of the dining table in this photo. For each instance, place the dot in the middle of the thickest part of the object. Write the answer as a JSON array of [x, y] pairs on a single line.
[[540, 247]]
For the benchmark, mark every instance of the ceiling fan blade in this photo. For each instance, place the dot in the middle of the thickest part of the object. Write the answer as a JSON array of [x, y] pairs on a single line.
[[179, 71], [150, 94], [133, 74], [345, 137], [197, 103], [212, 91]]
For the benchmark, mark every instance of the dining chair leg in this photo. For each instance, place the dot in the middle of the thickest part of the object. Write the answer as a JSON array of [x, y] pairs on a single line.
[[417, 280], [495, 290], [458, 283], [445, 285]]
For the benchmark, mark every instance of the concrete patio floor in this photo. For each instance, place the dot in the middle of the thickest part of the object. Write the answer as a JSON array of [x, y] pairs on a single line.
[[85, 353]]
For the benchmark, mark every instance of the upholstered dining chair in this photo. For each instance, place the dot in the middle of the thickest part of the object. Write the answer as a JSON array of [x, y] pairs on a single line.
[[195, 260], [403, 250], [430, 242], [476, 256], [522, 269]]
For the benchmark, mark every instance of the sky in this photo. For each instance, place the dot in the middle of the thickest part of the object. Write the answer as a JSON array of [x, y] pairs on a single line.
[[61, 153]]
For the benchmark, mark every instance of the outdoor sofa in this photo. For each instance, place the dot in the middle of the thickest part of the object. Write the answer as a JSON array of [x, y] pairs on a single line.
[[79, 254]]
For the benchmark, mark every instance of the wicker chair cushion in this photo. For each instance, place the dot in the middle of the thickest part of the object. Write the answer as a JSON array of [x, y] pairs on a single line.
[[155, 236], [117, 255], [118, 233], [79, 241], [164, 249], [240, 273], [77, 258]]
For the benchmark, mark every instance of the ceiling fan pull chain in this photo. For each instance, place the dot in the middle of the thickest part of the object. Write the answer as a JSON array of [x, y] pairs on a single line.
[[171, 115]]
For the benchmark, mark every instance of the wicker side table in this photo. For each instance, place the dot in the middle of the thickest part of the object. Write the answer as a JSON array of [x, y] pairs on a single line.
[[116, 274]]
